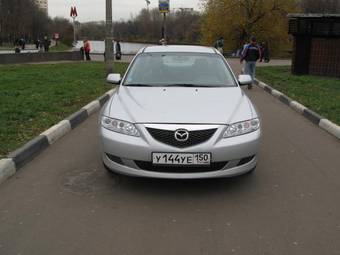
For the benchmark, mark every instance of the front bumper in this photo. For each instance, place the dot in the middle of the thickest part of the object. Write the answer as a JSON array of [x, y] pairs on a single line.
[[129, 150]]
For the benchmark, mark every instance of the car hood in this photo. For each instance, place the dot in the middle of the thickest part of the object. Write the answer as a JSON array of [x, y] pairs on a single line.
[[180, 105]]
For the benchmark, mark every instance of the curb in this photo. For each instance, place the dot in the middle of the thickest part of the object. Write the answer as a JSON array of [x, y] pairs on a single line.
[[20, 157], [312, 116]]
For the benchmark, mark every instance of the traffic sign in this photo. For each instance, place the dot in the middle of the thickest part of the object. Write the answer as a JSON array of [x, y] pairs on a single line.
[[164, 6], [74, 12]]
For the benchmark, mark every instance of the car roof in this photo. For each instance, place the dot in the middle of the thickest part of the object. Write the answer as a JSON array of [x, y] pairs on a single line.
[[179, 48]]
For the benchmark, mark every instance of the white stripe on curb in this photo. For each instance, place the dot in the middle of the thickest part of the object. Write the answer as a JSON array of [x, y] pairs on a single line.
[[276, 93], [324, 124], [262, 85], [92, 107], [57, 131], [7, 169], [8, 166], [297, 106], [111, 92], [330, 127]]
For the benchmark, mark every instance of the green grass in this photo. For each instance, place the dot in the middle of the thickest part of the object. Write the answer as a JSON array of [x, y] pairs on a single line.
[[321, 94], [60, 47], [35, 97]]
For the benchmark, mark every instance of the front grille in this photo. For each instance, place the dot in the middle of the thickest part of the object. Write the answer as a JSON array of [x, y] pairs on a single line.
[[148, 166], [168, 137]]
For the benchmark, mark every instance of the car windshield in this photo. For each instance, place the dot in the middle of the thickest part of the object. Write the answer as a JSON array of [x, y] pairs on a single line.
[[179, 69]]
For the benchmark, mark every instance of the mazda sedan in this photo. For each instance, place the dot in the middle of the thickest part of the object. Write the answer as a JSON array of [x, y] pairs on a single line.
[[179, 112]]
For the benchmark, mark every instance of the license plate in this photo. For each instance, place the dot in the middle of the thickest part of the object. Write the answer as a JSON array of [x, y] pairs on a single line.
[[181, 158]]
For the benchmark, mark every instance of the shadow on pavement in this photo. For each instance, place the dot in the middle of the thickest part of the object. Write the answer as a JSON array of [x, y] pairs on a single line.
[[166, 187]]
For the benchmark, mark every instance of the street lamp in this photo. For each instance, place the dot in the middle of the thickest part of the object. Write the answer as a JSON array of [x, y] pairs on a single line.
[[109, 38]]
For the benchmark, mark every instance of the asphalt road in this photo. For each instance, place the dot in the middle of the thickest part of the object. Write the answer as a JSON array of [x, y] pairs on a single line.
[[64, 202]]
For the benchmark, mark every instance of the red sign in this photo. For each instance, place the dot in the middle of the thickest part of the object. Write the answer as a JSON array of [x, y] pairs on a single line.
[[73, 13], [56, 36]]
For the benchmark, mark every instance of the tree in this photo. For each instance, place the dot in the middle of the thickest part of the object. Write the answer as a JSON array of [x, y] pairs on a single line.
[[320, 6], [24, 19], [21, 19], [238, 20], [63, 27], [183, 27]]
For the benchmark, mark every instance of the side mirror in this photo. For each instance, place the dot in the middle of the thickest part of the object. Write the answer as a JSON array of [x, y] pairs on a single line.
[[245, 79], [114, 78]]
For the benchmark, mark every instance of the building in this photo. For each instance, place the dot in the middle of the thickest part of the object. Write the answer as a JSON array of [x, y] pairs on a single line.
[[43, 4], [316, 44]]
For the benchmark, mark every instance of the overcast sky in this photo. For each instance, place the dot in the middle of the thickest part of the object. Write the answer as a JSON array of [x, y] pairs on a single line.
[[91, 10]]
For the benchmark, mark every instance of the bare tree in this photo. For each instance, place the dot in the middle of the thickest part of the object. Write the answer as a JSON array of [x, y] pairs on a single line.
[[24, 19]]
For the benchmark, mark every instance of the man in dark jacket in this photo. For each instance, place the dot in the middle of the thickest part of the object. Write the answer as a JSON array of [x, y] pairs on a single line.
[[251, 54], [47, 44], [118, 50]]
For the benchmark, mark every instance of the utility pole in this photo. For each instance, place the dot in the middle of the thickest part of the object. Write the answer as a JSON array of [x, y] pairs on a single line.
[[164, 26], [74, 32], [109, 39]]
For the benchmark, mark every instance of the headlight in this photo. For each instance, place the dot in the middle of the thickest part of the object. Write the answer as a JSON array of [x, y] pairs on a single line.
[[119, 126], [242, 128]]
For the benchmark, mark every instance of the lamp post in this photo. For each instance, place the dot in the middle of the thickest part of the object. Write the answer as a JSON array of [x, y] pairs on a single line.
[[109, 39]]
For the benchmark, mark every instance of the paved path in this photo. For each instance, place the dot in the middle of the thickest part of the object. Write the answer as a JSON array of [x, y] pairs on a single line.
[[65, 203]]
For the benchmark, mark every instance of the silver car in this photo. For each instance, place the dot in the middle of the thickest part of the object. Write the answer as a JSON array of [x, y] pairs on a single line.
[[180, 113]]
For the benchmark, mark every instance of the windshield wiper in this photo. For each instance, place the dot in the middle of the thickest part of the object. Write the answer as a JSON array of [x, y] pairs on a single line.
[[138, 85], [189, 85]]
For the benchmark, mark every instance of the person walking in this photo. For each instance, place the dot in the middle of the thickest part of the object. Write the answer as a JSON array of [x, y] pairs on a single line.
[[265, 52], [219, 44], [22, 43], [87, 49], [47, 44], [251, 54], [41, 46], [118, 51], [82, 53], [37, 43]]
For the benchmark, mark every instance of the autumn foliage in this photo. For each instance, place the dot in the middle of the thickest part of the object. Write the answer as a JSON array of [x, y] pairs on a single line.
[[238, 20]]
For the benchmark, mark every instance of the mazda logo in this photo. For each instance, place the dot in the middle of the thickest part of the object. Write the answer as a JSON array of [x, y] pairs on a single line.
[[182, 135]]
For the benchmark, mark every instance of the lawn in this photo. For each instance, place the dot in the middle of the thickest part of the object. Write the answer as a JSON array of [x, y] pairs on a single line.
[[321, 94], [35, 97]]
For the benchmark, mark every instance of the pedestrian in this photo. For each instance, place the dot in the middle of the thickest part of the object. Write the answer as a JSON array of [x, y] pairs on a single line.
[[82, 53], [41, 46], [47, 44], [23, 45], [251, 54], [37, 43], [219, 45], [87, 49], [118, 51], [265, 52]]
